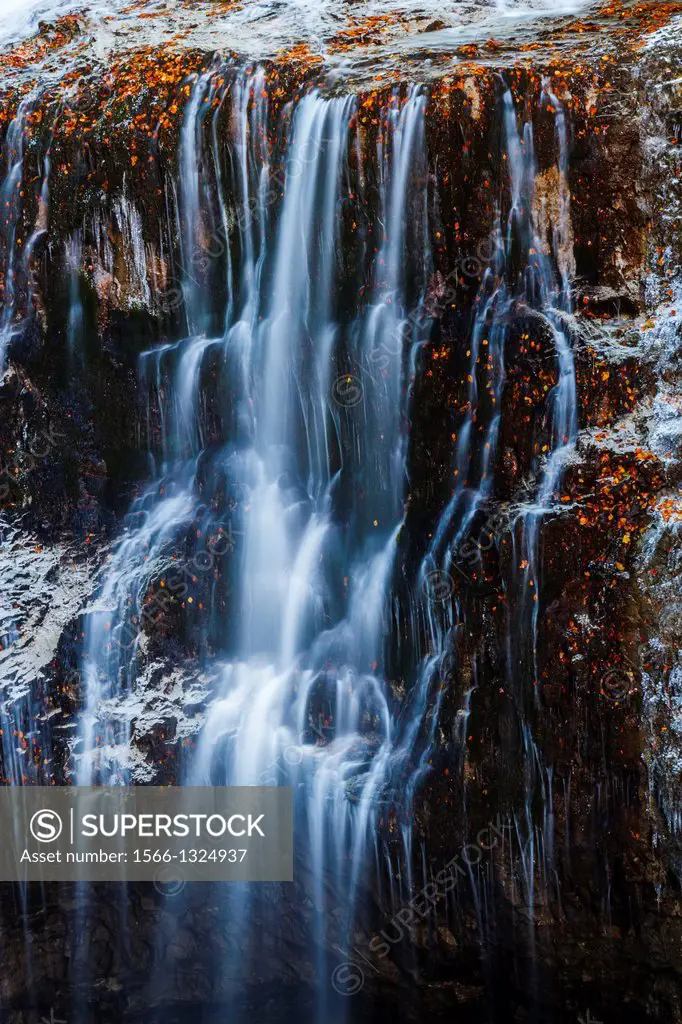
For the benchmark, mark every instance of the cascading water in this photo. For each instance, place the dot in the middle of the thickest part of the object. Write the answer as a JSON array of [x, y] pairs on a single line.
[[520, 276], [314, 445], [304, 653], [25, 731], [548, 292], [17, 252], [329, 502], [564, 403], [294, 669], [321, 475], [10, 206]]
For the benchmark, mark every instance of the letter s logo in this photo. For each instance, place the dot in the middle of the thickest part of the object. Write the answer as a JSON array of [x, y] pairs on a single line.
[[46, 826]]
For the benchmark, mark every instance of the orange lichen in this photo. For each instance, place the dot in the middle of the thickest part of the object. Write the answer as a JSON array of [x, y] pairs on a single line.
[[670, 509]]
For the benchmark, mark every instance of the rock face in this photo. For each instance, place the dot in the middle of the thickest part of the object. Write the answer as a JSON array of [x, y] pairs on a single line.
[[548, 762]]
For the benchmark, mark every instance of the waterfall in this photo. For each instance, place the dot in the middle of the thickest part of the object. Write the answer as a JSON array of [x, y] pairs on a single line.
[[339, 348], [190, 226], [308, 476], [11, 204], [509, 283], [293, 671], [552, 300], [320, 480], [24, 724], [16, 251]]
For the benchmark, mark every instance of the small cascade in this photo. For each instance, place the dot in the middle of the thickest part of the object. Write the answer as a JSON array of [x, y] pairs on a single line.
[[381, 435], [134, 250], [520, 274], [113, 631], [190, 224], [11, 207], [250, 164], [25, 731], [552, 300], [546, 288], [41, 221]]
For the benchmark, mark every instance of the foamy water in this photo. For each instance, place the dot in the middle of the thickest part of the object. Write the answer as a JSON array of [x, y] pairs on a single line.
[[260, 28]]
